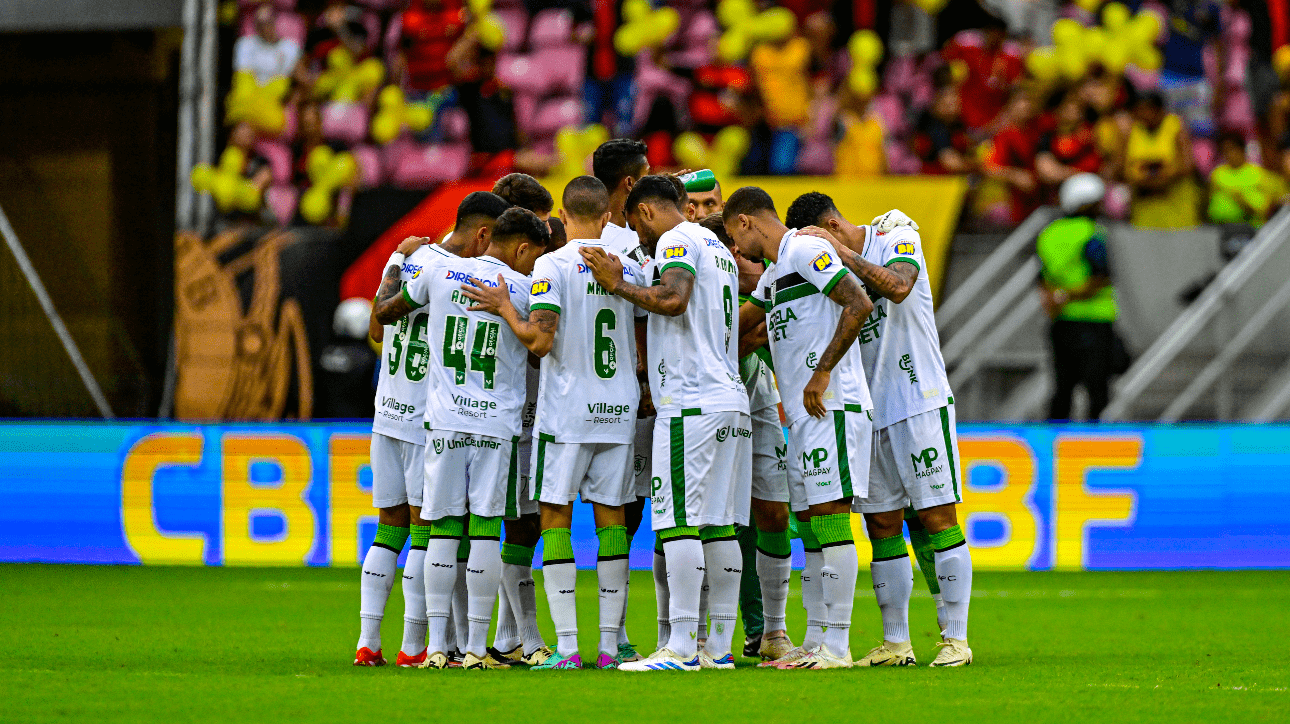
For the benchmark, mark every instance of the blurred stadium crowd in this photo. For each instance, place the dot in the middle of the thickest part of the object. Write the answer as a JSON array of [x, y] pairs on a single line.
[[1182, 106]]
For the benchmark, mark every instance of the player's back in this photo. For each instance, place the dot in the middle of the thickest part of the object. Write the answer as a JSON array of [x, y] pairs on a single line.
[[694, 356], [477, 364], [588, 390]]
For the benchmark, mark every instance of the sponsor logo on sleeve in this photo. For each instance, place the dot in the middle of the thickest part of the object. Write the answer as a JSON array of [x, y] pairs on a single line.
[[823, 261], [674, 252], [541, 286], [905, 248], [412, 269]]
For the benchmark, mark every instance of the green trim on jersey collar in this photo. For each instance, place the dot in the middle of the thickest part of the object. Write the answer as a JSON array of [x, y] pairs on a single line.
[[905, 259], [409, 299], [834, 281]]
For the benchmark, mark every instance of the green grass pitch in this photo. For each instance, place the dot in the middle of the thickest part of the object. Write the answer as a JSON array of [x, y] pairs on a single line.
[[128, 644]]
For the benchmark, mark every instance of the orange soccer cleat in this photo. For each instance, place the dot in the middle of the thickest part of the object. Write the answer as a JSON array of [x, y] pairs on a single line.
[[368, 657], [410, 662]]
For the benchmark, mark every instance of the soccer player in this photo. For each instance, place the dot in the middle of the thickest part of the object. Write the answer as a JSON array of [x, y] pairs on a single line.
[[473, 424], [770, 550], [517, 639], [586, 415], [398, 439], [915, 445], [813, 309], [701, 204], [702, 436]]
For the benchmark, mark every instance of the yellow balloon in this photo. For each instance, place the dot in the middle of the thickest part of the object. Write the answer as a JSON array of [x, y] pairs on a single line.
[[1042, 64], [1145, 27], [315, 205], [1067, 32], [1115, 56], [1115, 16], [224, 191], [774, 24], [865, 47], [389, 97], [690, 150], [492, 34], [733, 12], [566, 142], [370, 73], [1147, 57], [385, 127], [419, 116], [630, 39], [202, 176], [733, 46], [232, 160], [343, 171], [480, 8], [1072, 63], [932, 7], [1281, 61], [318, 161], [862, 81], [248, 197], [1089, 5], [634, 10], [732, 141], [666, 22]]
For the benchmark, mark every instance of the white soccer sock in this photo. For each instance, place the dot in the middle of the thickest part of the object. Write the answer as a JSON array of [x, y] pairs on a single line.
[[483, 578], [439, 579], [685, 577], [560, 581], [725, 563], [774, 573], [527, 613], [954, 572], [940, 611], [703, 606], [507, 635], [622, 621], [460, 608], [661, 599], [611, 576], [838, 579], [374, 591], [893, 583], [414, 602], [813, 600]]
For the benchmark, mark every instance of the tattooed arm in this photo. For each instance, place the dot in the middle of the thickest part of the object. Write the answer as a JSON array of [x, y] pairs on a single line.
[[390, 305], [856, 306], [537, 332], [670, 297], [893, 282]]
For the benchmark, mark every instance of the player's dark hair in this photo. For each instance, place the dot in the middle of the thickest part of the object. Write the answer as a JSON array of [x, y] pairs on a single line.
[[559, 235], [524, 191], [585, 197], [616, 159], [682, 196], [480, 203], [809, 209], [522, 222], [748, 201], [715, 224], [653, 188]]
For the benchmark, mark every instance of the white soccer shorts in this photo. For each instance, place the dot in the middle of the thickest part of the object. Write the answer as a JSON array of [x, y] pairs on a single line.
[[915, 462], [770, 456], [643, 448], [398, 471], [828, 458], [600, 472], [527, 505], [468, 473], [702, 470]]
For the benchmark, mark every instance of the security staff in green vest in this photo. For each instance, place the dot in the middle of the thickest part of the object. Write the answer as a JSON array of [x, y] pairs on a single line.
[[1075, 290]]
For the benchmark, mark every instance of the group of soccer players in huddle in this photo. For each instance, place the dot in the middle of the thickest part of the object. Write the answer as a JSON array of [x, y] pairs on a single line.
[[640, 365]]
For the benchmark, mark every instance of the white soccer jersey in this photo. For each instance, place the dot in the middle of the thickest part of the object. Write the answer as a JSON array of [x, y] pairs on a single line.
[[625, 242], [899, 343], [801, 320], [477, 365], [588, 391], [694, 356], [405, 352], [759, 381]]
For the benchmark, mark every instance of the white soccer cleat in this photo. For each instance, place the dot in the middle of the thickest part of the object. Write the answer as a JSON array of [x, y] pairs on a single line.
[[820, 658], [662, 660], [775, 647], [954, 652], [890, 653], [707, 662]]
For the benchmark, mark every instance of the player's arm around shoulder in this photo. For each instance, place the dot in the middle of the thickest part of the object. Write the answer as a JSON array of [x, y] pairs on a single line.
[[394, 300], [535, 328], [893, 279], [843, 290], [671, 297]]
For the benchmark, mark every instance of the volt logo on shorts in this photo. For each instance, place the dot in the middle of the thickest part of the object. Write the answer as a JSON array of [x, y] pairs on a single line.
[[927, 458]]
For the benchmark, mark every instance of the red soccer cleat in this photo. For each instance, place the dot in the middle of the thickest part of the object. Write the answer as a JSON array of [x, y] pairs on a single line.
[[410, 662], [368, 657]]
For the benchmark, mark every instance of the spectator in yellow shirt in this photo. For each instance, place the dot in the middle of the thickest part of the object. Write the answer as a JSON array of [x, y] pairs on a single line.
[[1239, 192], [781, 74]]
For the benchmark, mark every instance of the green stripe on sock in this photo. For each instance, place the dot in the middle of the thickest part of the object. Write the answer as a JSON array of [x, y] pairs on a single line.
[[679, 531], [714, 532], [613, 541], [922, 543], [809, 541], [556, 545], [677, 429], [774, 544], [832, 529], [893, 547], [948, 538], [450, 527], [391, 536], [517, 555], [485, 527], [420, 536]]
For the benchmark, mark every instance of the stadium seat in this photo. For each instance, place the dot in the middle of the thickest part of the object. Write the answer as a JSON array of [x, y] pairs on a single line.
[[279, 4], [516, 22], [815, 158], [278, 155], [653, 82], [414, 166], [892, 112], [454, 123], [371, 171], [281, 201], [345, 122], [1205, 155], [552, 115], [550, 29]]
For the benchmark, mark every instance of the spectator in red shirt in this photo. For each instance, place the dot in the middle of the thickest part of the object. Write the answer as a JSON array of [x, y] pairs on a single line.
[[992, 69], [940, 139], [431, 42], [1012, 160], [1071, 147], [717, 99]]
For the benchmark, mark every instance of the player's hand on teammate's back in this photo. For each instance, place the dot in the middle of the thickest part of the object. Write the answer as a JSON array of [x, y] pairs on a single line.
[[821, 233], [488, 299], [412, 243], [645, 408], [813, 394], [607, 269]]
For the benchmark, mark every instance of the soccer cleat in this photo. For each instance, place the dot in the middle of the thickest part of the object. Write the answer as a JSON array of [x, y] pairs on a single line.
[[404, 661], [605, 661], [512, 657], [539, 656], [437, 660], [890, 653], [455, 658], [475, 663], [627, 652], [662, 660], [707, 662], [557, 661], [752, 646], [820, 658], [793, 654], [954, 652], [773, 647], [368, 657]]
